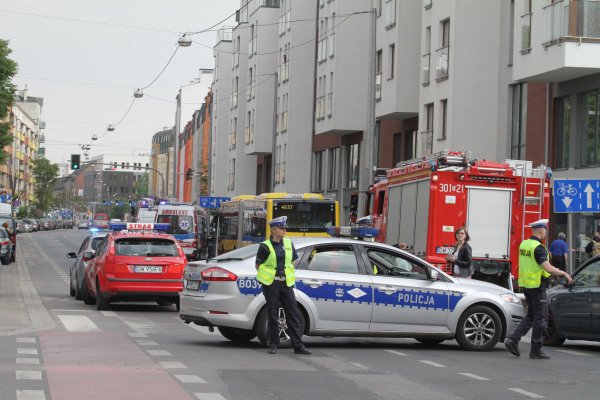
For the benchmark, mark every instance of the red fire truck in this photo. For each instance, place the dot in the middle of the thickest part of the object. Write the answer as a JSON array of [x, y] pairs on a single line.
[[423, 201]]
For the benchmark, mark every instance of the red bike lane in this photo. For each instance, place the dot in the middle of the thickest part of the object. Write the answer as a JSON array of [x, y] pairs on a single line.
[[101, 366]]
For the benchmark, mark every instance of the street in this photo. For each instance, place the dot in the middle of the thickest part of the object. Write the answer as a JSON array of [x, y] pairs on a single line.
[[55, 347]]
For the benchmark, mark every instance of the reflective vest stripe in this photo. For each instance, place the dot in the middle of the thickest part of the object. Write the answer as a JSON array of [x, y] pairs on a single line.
[[530, 272], [268, 269]]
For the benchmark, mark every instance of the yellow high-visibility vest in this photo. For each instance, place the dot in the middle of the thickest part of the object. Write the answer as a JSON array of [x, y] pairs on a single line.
[[530, 272], [267, 270]]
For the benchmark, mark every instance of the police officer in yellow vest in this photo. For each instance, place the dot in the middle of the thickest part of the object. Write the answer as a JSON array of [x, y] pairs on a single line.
[[275, 272], [534, 271]]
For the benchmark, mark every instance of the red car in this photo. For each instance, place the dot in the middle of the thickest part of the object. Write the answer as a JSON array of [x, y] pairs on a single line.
[[135, 265]]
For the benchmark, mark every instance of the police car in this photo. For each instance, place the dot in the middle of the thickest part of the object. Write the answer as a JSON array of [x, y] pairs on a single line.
[[135, 263], [347, 287]]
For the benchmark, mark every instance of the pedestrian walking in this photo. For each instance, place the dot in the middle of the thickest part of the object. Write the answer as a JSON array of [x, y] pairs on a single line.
[[461, 257], [534, 271], [593, 247], [559, 250], [275, 272]]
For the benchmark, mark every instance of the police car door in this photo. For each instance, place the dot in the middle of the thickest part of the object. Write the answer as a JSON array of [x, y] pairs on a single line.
[[332, 280], [404, 298]]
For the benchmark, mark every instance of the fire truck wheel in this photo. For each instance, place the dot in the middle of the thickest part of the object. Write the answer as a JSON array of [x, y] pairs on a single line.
[[478, 329], [551, 337]]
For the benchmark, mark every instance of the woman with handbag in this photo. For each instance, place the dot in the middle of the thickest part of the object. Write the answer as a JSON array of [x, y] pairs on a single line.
[[461, 256]]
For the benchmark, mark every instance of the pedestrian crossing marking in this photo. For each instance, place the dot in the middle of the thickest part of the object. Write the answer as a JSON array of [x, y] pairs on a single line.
[[30, 375], [470, 375], [190, 379], [398, 353]]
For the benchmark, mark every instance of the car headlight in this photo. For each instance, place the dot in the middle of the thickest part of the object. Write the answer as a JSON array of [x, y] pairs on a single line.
[[510, 298]]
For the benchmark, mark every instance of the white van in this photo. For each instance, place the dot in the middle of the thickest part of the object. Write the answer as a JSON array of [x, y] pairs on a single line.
[[188, 224]]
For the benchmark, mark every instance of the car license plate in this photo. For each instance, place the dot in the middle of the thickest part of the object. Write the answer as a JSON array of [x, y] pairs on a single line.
[[192, 285], [444, 250], [150, 269]]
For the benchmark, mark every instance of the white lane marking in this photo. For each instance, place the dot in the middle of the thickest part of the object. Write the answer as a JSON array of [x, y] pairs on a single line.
[[479, 378], [78, 323], [147, 343], [575, 353], [23, 360], [22, 350], [190, 379], [25, 340], [137, 334], [31, 395], [526, 393], [398, 353], [172, 365], [32, 375], [55, 310], [359, 365], [108, 313], [433, 364], [209, 396], [159, 353]]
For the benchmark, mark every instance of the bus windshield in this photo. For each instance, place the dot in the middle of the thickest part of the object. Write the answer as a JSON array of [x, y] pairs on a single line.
[[306, 216]]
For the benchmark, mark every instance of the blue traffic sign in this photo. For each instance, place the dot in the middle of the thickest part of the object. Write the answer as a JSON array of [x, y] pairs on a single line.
[[212, 202], [576, 195]]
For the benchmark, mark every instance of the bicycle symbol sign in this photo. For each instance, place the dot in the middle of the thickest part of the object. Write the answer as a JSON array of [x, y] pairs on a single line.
[[575, 196]]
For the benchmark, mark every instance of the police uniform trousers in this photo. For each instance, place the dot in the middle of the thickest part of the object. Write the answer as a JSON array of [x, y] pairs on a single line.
[[276, 293], [536, 318]]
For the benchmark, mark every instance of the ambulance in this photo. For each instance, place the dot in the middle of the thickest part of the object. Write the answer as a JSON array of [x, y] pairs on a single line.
[[423, 201], [188, 224]]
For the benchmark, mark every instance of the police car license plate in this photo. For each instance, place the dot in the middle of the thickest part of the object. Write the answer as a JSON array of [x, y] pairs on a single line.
[[192, 285], [149, 269]]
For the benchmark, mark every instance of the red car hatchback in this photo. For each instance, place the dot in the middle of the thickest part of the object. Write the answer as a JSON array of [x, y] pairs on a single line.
[[136, 265]]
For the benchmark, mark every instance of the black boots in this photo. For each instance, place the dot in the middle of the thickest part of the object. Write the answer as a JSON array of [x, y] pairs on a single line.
[[272, 349], [539, 355], [513, 347]]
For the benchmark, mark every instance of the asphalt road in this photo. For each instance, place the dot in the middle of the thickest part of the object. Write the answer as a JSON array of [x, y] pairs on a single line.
[[54, 347]]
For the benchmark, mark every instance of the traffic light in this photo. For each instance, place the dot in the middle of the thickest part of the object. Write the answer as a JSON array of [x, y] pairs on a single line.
[[75, 161], [188, 174], [353, 207]]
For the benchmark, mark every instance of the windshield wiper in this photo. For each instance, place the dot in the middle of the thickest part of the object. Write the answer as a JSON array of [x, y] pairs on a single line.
[[225, 259]]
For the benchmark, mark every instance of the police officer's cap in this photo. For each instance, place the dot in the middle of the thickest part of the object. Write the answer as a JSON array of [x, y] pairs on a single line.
[[542, 223], [279, 222]]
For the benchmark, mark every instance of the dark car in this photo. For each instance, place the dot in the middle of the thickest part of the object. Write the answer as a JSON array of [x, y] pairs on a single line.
[[6, 247], [82, 258], [575, 310]]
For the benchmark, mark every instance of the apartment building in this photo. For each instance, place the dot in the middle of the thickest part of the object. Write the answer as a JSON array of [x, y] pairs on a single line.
[[557, 51], [223, 138], [160, 182]]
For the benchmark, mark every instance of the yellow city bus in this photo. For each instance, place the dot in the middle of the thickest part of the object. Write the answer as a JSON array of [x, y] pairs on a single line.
[[242, 221]]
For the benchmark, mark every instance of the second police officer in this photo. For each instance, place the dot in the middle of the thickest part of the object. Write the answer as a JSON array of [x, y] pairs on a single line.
[[534, 271], [275, 272]]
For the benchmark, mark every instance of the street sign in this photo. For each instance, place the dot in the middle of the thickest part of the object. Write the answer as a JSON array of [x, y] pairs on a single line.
[[212, 202], [576, 195]]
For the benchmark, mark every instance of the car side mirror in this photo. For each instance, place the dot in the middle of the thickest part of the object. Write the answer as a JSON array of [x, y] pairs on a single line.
[[88, 254], [434, 274], [72, 255]]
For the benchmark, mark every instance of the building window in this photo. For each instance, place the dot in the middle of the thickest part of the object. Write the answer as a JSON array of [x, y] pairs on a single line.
[[426, 59], [277, 162], [526, 28], [389, 12], [378, 71], [333, 169], [231, 175], [352, 164], [443, 53], [330, 97], [443, 119], [392, 55], [331, 43], [563, 132], [427, 134], [318, 171], [590, 131], [518, 121]]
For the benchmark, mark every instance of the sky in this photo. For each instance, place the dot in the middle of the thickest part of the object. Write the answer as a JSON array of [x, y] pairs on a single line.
[[85, 58]]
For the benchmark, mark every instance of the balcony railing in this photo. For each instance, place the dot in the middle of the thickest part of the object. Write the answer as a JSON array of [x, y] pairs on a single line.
[[441, 67], [254, 5], [378, 86], [525, 32], [247, 135], [224, 33], [571, 19], [427, 142], [426, 63]]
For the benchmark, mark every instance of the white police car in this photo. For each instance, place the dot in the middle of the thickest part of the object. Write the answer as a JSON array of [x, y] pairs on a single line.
[[347, 287]]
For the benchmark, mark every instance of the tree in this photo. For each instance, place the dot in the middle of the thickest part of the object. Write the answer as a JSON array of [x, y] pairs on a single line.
[[141, 186], [8, 69], [44, 173]]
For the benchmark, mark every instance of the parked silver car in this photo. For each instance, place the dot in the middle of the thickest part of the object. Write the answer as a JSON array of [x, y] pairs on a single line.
[[346, 287], [82, 257]]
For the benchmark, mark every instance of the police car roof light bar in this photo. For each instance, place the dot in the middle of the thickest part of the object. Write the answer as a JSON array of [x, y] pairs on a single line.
[[361, 232]]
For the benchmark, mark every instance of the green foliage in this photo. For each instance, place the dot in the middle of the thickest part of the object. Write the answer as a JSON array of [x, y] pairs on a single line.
[[44, 173], [8, 69], [119, 211], [23, 212], [141, 186]]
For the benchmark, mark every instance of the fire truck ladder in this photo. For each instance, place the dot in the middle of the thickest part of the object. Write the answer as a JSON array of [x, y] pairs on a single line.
[[532, 183], [444, 157]]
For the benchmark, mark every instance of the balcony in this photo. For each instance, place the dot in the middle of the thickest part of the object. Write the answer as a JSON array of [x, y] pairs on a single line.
[[526, 33], [224, 34], [572, 20], [441, 67]]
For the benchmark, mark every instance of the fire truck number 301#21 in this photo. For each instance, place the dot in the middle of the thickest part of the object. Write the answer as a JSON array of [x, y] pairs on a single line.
[[423, 201]]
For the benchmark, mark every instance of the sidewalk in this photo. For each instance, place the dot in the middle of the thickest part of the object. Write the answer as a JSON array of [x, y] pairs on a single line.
[[21, 308]]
